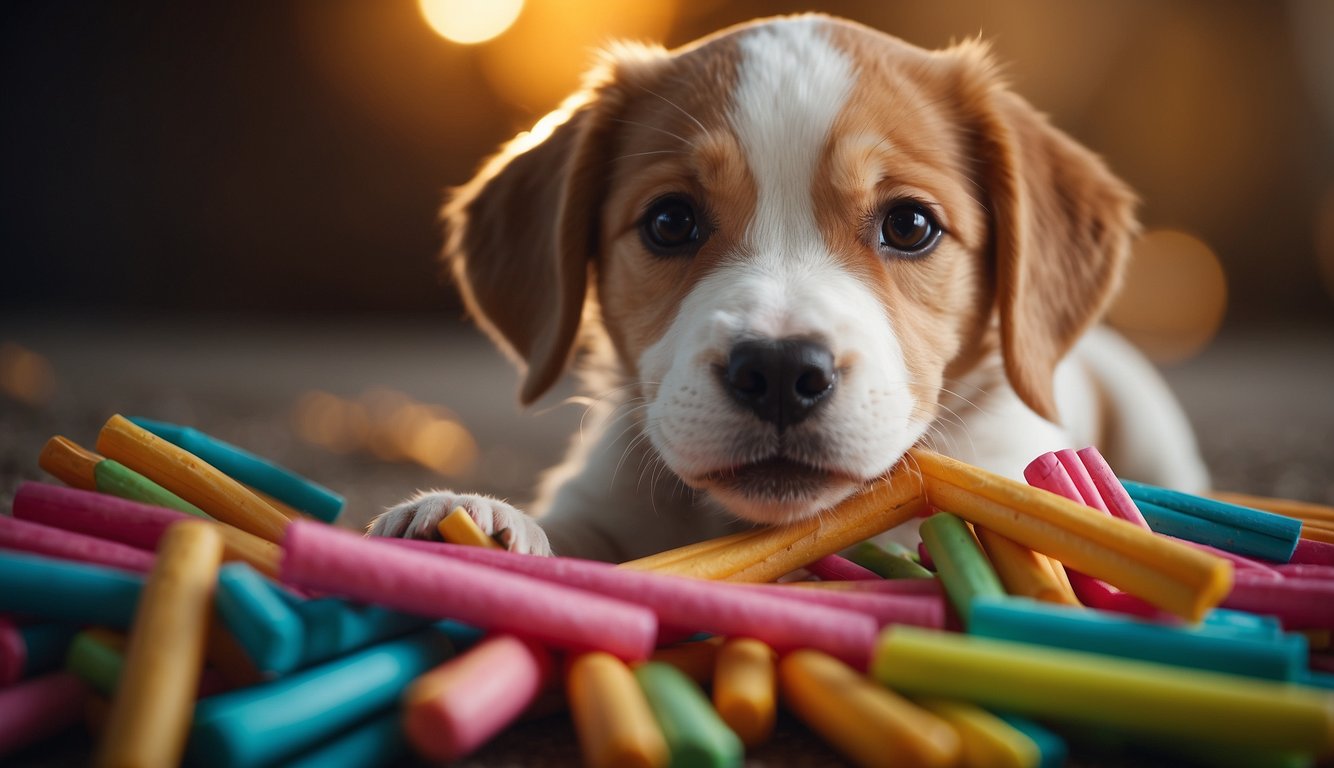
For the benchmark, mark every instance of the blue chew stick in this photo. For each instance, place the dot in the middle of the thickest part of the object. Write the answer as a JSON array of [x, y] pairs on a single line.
[[45, 588], [280, 719], [245, 467], [1245, 531], [1028, 621], [378, 741]]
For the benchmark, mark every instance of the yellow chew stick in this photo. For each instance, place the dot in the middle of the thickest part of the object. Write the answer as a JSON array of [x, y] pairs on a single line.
[[988, 741], [458, 527], [155, 696], [615, 725], [261, 554], [662, 560], [1023, 571], [891, 501], [1169, 574], [70, 463], [871, 725], [724, 561], [190, 478], [744, 689]]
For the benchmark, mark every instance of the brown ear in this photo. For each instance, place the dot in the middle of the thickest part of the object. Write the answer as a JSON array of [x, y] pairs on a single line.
[[522, 233], [1061, 231]]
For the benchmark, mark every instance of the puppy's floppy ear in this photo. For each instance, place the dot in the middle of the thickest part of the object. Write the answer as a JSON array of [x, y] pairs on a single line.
[[522, 233], [1061, 231]]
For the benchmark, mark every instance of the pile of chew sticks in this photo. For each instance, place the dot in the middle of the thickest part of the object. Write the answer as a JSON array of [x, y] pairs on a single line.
[[190, 602]]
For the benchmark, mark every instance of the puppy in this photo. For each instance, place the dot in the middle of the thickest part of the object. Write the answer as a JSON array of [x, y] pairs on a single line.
[[785, 254]]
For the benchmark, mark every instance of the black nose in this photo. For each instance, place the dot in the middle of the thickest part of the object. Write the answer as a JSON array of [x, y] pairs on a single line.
[[781, 381]]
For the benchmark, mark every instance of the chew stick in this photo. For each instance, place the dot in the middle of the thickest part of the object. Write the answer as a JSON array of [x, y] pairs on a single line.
[[1168, 574], [696, 658], [694, 733], [150, 714], [889, 502], [1302, 510], [41, 587], [129, 522], [835, 568], [245, 467], [37, 708], [615, 725], [1103, 691], [887, 565], [458, 527], [872, 726], [190, 478], [986, 739], [85, 470], [25, 536], [1023, 571], [782, 620], [320, 557], [1237, 529], [722, 557], [457, 707], [1109, 488], [960, 563], [744, 689]]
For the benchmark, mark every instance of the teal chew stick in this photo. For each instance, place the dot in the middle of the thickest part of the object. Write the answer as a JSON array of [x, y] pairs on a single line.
[[887, 565], [116, 479], [334, 627], [377, 742], [272, 634], [696, 737], [1258, 533], [1076, 629], [962, 566], [45, 646], [245, 467], [281, 719], [44, 588], [1051, 748], [1227, 621]]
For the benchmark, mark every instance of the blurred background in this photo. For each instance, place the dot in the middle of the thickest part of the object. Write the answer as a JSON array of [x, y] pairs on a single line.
[[225, 214]]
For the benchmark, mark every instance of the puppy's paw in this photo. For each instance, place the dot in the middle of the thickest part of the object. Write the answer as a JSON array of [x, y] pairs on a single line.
[[418, 517]]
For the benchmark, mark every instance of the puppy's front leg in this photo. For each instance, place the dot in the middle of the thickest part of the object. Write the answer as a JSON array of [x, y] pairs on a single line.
[[418, 517]]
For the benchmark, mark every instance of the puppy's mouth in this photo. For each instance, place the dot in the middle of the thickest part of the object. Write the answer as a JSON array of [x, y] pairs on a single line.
[[777, 489]]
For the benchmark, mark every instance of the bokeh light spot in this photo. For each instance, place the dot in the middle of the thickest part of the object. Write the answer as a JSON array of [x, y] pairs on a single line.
[[470, 21], [1174, 297], [25, 375]]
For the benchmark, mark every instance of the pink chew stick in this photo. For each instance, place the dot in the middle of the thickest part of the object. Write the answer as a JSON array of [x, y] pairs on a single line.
[[1305, 571], [1240, 563], [94, 514], [25, 536], [1074, 468], [458, 706], [13, 652], [886, 608], [1310, 552], [38, 708], [1047, 472], [1298, 603], [719, 608], [327, 559], [1109, 488], [836, 568]]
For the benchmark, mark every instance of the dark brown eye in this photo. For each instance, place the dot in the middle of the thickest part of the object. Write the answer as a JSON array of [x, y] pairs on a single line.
[[910, 229], [670, 227]]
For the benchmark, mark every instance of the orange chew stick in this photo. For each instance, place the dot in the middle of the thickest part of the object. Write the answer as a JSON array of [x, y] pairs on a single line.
[[1023, 571], [1171, 575], [70, 463], [190, 478], [458, 527]]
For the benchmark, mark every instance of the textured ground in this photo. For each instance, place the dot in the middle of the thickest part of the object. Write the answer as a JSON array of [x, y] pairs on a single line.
[[1262, 403]]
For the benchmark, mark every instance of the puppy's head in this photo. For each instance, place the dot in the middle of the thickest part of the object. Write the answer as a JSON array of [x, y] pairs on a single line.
[[793, 233]]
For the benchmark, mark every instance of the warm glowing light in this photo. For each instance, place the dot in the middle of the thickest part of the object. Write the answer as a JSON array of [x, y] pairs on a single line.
[[1174, 297], [470, 21], [25, 375]]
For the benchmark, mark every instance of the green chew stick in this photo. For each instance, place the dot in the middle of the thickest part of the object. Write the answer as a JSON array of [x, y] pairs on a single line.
[[963, 568], [696, 737]]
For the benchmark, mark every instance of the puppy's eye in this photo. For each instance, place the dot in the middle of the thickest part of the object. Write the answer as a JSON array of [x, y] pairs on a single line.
[[671, 227], [910, 229]]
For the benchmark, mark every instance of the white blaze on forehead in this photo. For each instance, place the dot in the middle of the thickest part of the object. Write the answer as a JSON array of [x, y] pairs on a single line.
[[791, 85]]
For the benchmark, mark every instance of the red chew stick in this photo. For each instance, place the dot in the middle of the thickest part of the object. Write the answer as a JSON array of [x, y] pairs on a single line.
[[26, 536], [326, 559], [1298, 603], [37, 708], [724, 609], [1311, 552], [94, 514]]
